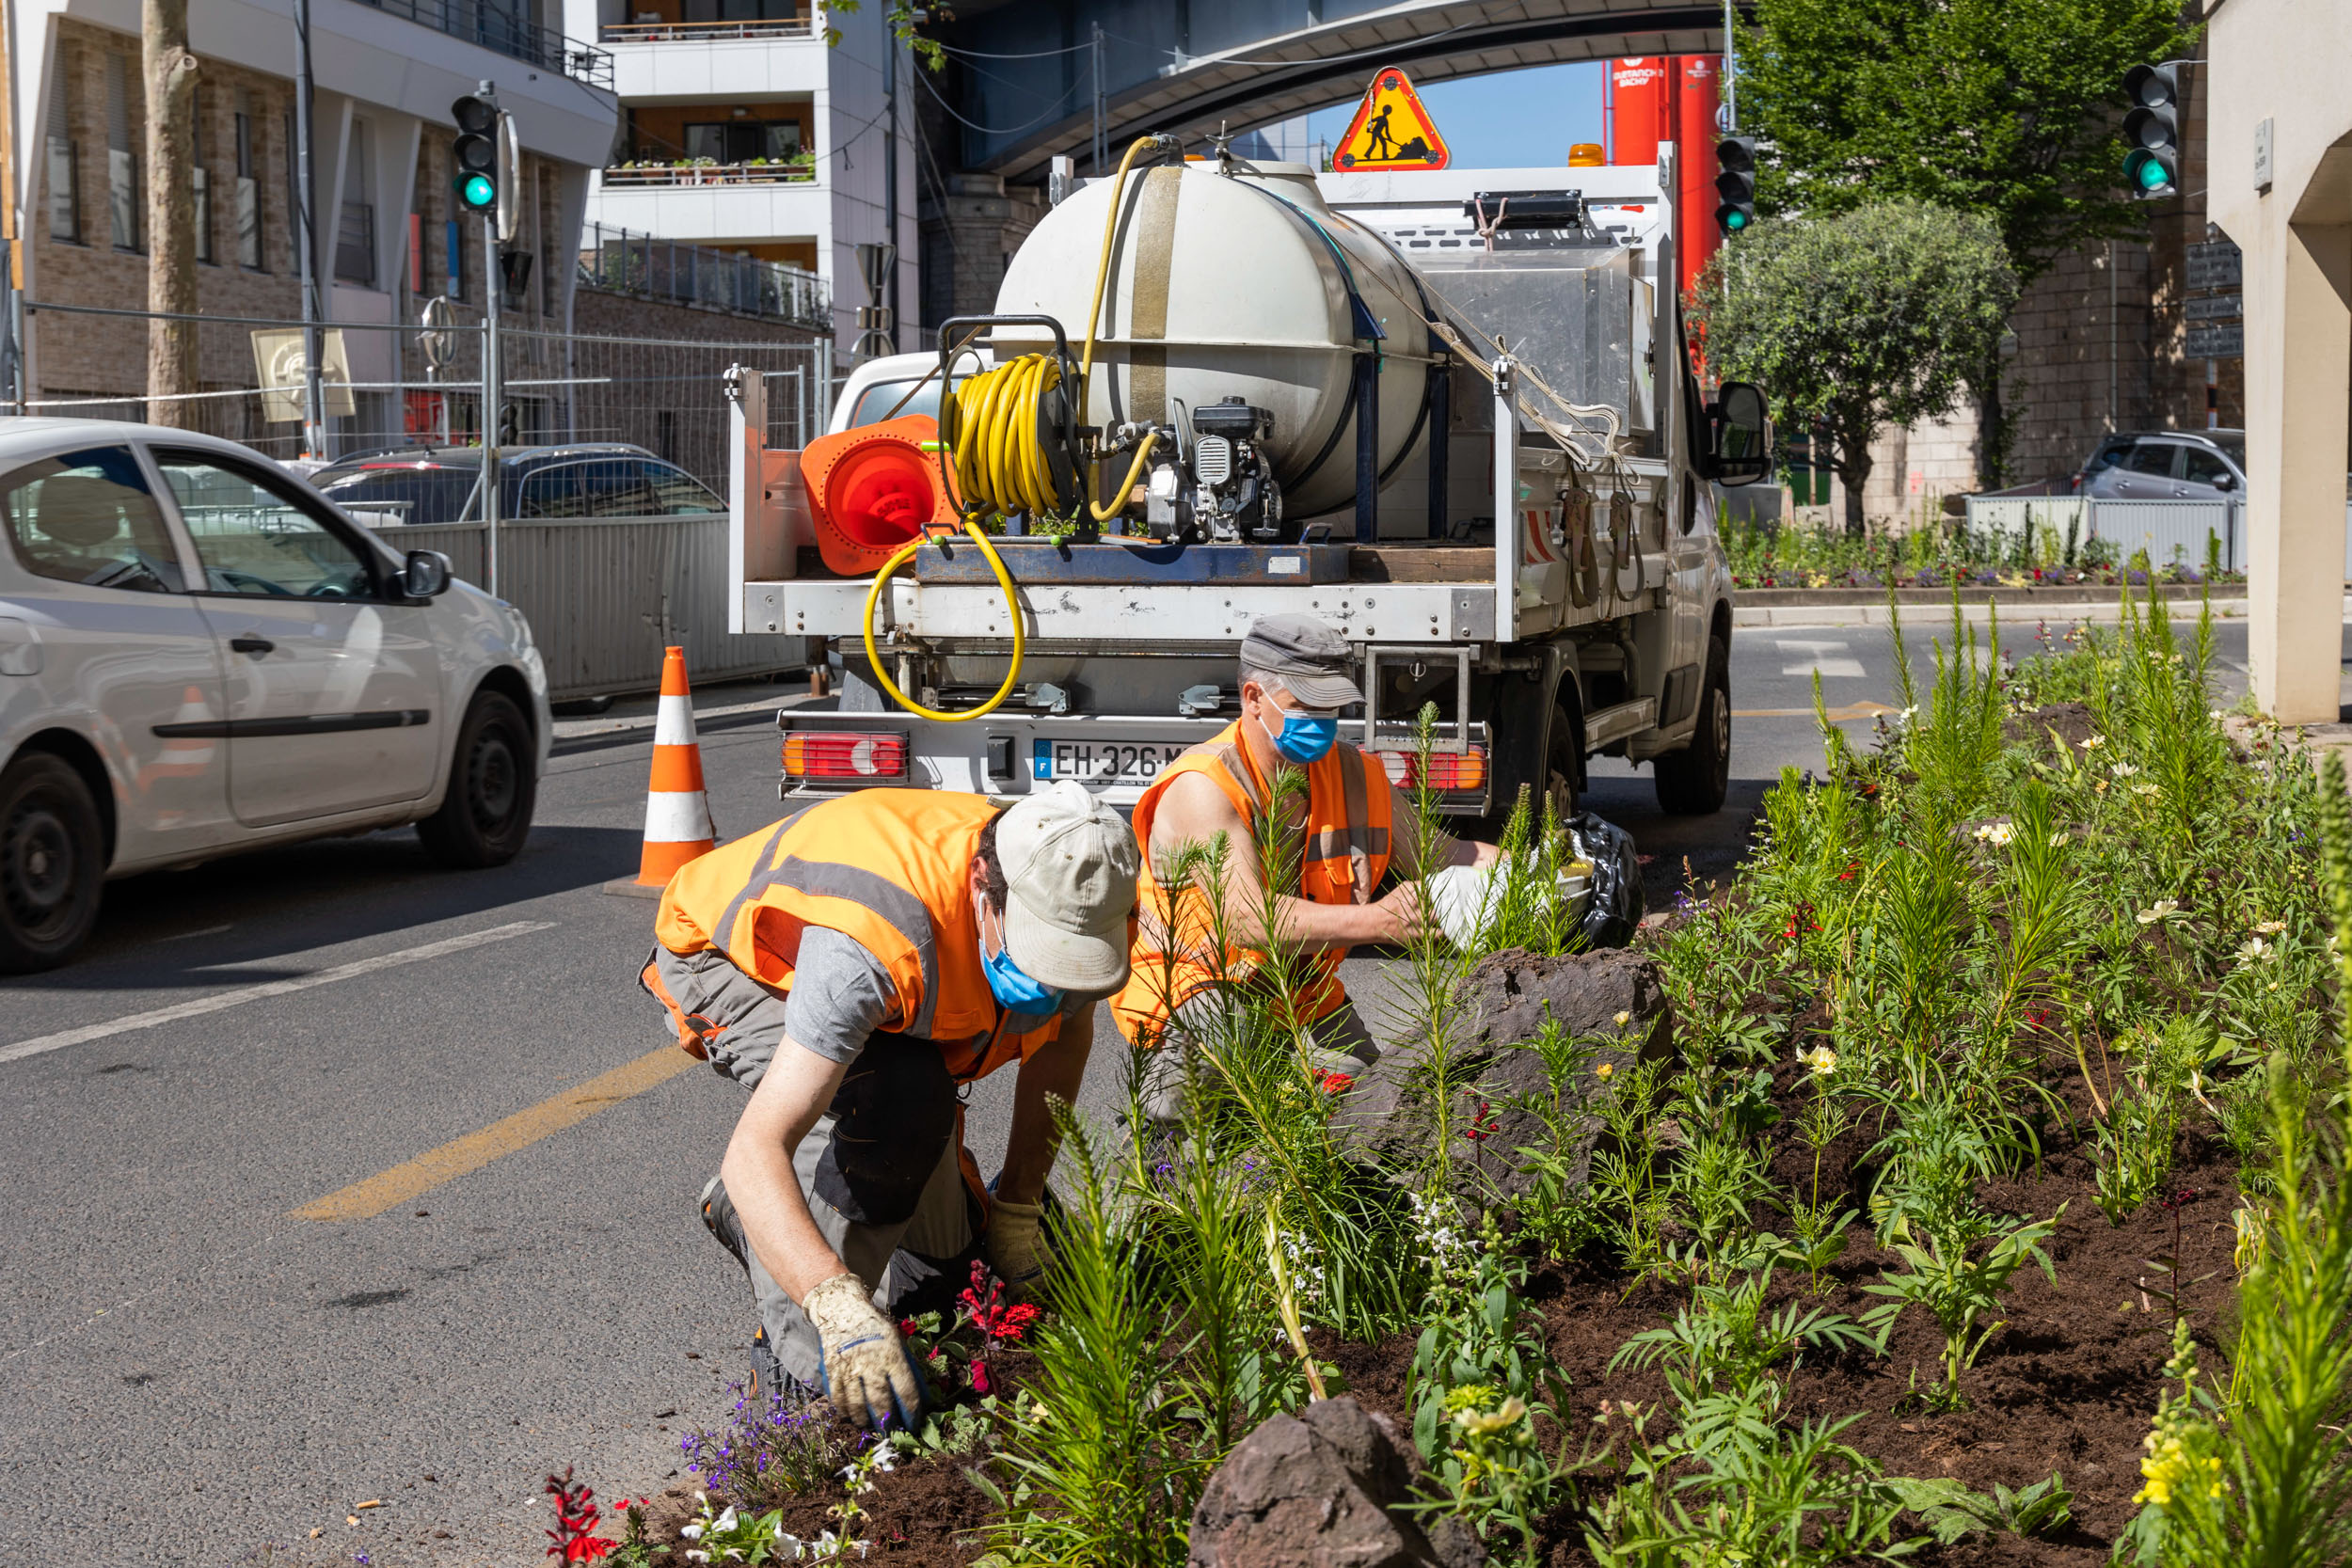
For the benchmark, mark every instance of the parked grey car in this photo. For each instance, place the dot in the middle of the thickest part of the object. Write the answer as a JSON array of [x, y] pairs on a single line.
[[2167, 464], [199, 654]]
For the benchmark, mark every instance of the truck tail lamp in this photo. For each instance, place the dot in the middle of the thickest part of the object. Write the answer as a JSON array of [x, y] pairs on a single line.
[[845, 755], [1462, 772]]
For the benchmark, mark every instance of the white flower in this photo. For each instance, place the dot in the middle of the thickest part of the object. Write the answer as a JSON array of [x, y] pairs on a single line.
[[2057, 838], [1995, 833], [2147, 789], [2269, 928], [2091, 742], [2123, 769], [697, 1557], [691, 1532], [1822, 1060], [1622, 1019], [2165, 908], [2254, 950]]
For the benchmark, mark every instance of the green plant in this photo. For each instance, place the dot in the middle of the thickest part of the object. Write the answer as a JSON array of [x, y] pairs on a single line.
[[1491, 1470], [1480, 1331], [1952, 1511], [1725, 1343]]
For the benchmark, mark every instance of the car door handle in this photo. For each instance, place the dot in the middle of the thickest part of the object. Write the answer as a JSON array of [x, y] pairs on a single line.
[[250, 643]]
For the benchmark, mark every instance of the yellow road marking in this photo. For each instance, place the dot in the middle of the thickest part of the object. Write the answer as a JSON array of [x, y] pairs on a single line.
[[1836, 715], [388, 1189]]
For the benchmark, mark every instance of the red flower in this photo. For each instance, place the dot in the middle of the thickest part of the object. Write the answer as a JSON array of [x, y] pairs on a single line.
[[979, 1377], [1000, 1323], [1335, 1083], [576, 1517], [1483, 1125]]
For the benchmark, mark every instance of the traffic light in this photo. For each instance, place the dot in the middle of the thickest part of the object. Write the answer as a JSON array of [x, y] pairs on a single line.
[[2153, 168], [1736, 157], [476, 154]]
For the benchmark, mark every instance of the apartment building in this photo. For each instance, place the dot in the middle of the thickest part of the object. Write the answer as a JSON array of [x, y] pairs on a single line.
[[389, 239], [746, 130]]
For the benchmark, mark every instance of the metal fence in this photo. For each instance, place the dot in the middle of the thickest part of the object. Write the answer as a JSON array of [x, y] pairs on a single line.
[[606, 596], [623, 261], [2169, 530]]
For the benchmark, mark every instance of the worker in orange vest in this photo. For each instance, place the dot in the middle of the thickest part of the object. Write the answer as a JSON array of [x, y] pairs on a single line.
[[1353, 828], [854, 966]]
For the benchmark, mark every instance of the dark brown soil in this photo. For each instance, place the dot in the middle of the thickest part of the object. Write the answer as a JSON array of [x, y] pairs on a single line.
[[2070, 1384]]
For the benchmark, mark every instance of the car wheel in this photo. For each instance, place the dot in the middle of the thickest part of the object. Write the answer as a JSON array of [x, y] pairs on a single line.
[[52, 862], [1694, 781], [485, 812]]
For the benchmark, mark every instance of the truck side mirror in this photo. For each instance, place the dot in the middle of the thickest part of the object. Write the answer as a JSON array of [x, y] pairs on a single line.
[[1739, 436], [424, 575]]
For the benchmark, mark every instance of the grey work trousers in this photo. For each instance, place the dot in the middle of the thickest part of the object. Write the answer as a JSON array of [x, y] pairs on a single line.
[[880, 1171]]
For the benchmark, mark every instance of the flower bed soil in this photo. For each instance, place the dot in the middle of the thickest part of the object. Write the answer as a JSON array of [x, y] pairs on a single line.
[[2070, 1384]]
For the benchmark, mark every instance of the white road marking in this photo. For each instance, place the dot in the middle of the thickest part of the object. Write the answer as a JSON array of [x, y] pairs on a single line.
[[221, 1000], [1818, 656]]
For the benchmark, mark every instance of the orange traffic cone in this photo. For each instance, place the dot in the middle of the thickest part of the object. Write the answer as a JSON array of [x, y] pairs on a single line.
[[678, 809]]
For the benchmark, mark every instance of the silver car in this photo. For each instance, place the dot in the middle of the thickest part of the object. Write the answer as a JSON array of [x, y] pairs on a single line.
[[2173, 465], [200, 655]]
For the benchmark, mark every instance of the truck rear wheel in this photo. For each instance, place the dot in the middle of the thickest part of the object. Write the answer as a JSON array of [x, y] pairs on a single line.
[[1556, 781], [1693, 782]]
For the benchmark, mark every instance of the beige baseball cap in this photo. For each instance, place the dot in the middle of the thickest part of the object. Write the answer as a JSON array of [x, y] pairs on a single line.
[[1070, 867]]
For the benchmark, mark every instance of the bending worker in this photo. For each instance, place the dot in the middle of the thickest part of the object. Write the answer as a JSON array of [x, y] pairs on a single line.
[[853, 967], [1347, 828]]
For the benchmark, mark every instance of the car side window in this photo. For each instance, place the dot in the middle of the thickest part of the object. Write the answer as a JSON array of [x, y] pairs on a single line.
[[617, 487], [254, 538], [2152, 457], [2203, 468], [88, 518], [2107, 457], [552, 492], [679, 494]]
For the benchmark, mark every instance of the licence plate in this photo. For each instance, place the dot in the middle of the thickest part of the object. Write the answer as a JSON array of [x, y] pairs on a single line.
[[1103, 762]]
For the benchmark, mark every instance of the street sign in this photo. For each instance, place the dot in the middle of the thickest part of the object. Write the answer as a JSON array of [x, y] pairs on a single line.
[[2217, 308], [2214, 265], [2217, 340], [1392, 130], [278, 362]]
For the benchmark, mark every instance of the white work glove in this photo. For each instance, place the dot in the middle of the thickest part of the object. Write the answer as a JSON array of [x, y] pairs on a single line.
[[1015, 1245], [1466, 898], [868, 1373]]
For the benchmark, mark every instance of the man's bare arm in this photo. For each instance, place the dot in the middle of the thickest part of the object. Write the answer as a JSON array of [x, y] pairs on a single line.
[[1195, 810], [758, 1173], [1055, 1069]]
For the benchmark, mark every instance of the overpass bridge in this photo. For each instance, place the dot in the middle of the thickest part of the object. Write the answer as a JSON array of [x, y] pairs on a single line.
[[1024, 82]]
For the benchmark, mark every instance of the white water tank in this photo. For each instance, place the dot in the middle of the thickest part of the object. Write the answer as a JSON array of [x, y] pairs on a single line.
[[1230, 286]]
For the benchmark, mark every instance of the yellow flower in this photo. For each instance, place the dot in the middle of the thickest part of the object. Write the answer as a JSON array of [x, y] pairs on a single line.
[[1822, 1060], [1605, 1071], [1485, 1423], [2269, 928], [1624, 1019]]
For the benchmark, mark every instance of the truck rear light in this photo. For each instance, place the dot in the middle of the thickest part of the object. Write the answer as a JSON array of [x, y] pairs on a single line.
[[1450, 772], [845, 755]]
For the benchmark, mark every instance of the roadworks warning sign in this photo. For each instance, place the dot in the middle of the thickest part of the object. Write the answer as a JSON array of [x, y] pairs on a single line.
[[1391, 129]]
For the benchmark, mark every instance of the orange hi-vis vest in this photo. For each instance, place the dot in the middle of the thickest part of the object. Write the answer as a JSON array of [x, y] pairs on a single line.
[[1345, 855], [890, 869]]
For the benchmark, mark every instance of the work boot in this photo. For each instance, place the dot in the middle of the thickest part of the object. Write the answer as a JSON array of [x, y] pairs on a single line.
[[719, 1218]]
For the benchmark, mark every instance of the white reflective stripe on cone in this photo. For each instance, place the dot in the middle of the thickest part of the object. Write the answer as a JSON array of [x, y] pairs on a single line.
[[674, 721], [678, 816]]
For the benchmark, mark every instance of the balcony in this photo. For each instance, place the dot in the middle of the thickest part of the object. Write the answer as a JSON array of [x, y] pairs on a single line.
[[495, 27], [619, 262], [706, 172], [655, 31]]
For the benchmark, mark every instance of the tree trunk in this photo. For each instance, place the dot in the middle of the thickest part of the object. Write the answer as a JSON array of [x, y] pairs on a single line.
[[171, 75], [1993, 434], [1853, 472]]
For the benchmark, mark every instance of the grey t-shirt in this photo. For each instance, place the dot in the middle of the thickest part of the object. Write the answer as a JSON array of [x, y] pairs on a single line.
[[840, 994]]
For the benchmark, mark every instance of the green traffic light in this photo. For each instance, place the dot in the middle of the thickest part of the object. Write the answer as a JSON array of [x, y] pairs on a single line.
[[2151, 176], [1736, 221], [479, 191]]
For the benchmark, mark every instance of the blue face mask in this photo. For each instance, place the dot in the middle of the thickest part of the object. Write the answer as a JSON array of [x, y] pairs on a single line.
[[1014, 991], [1306, 738]]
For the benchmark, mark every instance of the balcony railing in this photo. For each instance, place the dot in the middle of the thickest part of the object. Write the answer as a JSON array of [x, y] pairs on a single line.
[[706, 32], [630, 176], [496, 28], [620, 262]]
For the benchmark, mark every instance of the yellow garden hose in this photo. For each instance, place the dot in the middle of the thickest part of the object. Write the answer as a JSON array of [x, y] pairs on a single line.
[[1012, 607], [991, 426]]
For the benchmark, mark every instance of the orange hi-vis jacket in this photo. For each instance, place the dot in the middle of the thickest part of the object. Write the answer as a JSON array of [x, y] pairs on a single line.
[[890, 869], [1345, 855]]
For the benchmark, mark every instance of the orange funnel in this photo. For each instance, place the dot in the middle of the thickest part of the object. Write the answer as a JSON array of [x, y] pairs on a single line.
[[873, 489]]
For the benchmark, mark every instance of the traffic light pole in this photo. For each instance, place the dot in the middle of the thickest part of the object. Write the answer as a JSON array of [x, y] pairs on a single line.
[[493, 399], [306, 242]]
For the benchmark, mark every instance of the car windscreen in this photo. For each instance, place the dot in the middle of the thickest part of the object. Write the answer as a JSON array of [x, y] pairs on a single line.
[[878, 402], [394, 493]]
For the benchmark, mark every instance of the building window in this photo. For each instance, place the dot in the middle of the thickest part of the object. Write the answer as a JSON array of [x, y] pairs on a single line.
[[739, 141], [355, 226], [65, 186], [122, 162], [202, 183], [248, 188], [745, 11]]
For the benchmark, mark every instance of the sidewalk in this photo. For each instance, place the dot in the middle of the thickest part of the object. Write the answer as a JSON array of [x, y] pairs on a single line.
[[630, 716]]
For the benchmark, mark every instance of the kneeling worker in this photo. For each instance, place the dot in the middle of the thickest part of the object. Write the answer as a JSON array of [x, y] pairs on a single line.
[[1351, 827], [854, 966]]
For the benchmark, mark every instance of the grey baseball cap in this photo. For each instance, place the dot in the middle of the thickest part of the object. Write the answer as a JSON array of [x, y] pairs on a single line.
[[1069, 864], [1308, 658]]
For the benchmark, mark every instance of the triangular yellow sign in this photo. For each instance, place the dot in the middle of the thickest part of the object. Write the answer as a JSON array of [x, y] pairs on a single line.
[[1391, 129]]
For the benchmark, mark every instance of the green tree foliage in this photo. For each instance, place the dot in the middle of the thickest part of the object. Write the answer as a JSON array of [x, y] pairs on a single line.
[[2007, 109], [1874, 318]]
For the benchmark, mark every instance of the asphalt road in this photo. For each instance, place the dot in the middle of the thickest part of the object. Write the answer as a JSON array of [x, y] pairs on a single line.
[[190, 1372]]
